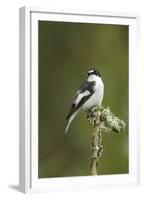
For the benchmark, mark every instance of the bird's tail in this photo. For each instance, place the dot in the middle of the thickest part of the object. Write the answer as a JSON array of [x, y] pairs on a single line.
[[69, 120]]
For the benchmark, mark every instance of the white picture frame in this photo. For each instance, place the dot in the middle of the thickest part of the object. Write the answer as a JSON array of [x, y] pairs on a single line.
[[28, 159]]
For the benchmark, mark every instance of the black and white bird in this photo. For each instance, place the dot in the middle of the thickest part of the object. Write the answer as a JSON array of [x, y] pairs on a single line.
[[89, 94]]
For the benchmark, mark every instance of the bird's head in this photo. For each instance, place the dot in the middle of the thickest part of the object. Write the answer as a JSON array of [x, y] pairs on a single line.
[[94, 72]]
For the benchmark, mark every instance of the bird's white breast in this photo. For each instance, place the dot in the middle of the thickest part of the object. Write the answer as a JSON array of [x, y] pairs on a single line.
[[97, 97]]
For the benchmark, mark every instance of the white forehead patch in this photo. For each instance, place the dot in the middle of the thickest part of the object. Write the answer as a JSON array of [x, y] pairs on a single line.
[[90, 71]]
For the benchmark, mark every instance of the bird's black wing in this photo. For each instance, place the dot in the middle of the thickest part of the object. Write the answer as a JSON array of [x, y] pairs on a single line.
[[87, 85], [82, 95]]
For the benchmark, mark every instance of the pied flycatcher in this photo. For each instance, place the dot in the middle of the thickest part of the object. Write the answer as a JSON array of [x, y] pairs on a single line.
[[89, 94]]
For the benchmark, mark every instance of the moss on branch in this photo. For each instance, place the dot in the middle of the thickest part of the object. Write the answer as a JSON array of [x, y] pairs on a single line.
[[108, 121], [103, 120]]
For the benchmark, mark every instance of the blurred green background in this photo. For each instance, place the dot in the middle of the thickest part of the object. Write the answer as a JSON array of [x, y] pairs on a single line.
[[66, 52]]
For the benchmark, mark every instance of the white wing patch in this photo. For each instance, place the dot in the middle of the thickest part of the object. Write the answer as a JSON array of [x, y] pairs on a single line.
[[80, 96]]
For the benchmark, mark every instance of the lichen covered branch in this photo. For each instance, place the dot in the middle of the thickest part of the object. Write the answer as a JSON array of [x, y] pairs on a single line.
[[96, 146], [102, 119]]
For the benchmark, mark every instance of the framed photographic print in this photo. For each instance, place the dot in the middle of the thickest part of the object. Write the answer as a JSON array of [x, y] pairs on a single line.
[[78, 110]]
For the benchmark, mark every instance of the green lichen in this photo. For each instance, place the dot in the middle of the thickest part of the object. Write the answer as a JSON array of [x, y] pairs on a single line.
[[108, 121]]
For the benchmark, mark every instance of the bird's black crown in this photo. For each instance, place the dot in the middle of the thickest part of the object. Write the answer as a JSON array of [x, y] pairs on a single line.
[[95, 72]]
